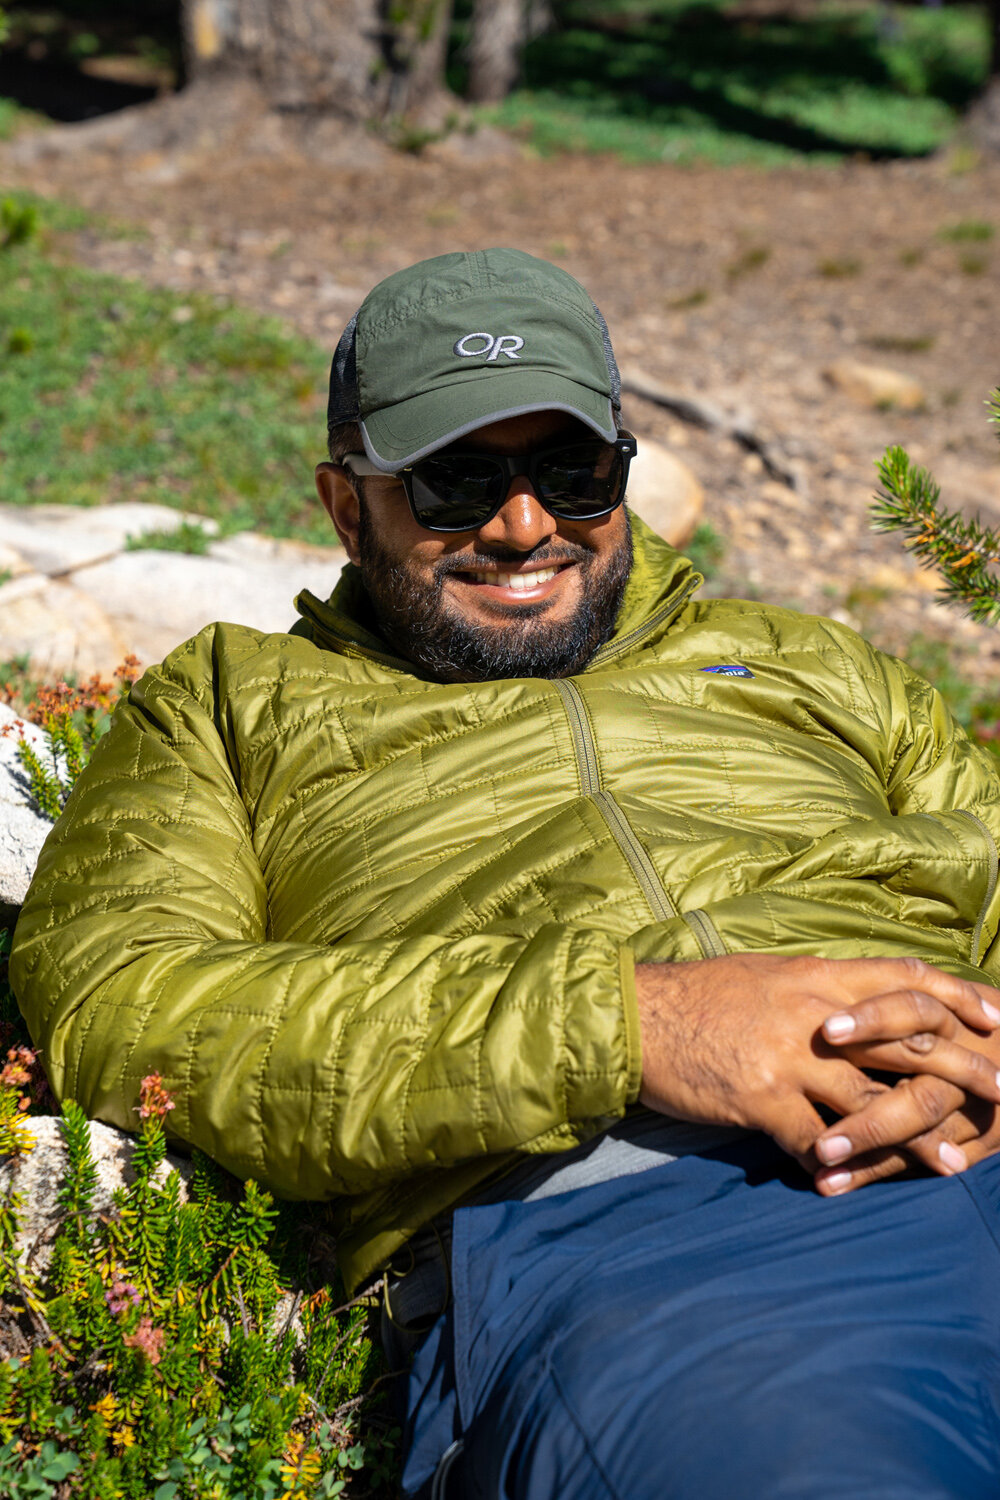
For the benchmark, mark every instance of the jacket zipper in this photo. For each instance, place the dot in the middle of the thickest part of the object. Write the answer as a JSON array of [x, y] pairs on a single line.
[[991, 882], [705, 931], [641, 865]]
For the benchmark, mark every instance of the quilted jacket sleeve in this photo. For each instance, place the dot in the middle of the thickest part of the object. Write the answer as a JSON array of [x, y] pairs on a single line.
[[143, 947], [932, 774], [934, 767]]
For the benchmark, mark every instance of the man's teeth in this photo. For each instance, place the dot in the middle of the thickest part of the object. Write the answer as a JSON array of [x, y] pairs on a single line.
[[516, 581]]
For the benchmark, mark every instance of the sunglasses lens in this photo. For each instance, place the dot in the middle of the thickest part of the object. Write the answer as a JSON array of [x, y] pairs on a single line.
[[461, 491], [456, 494], [580, 481]]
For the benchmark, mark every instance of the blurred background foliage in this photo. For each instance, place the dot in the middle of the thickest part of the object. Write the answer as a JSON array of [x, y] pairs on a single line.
[[724, 80]]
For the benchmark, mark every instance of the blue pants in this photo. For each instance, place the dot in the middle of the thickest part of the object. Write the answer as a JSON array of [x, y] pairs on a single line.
[[712, 1329]]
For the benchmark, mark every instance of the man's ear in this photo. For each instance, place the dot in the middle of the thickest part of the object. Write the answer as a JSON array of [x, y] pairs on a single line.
[[333, 483]]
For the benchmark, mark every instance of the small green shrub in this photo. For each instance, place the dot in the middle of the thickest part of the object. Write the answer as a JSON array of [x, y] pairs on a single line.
[[900, 343], [706, 549], [18, 223], [689, 300], [967, 231], [839, 269], [751, 259], [189, 537]]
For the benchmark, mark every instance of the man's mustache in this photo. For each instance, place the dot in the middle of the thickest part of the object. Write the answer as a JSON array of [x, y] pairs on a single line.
[[541, 557]]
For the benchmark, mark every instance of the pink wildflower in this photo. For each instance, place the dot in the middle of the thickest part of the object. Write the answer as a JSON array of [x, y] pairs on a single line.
[[147, 1339], [155, 1102], [17, 1070], [120, 1296]]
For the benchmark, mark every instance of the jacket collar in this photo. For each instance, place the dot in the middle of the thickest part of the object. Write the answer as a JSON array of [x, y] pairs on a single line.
[[659, 585]]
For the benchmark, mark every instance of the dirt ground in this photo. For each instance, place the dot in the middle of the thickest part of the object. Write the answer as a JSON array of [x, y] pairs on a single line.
[[735, 286]]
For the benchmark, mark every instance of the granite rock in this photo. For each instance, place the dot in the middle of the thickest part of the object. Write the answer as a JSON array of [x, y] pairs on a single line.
[[664, 492], [75, 601], [36, 1177], [22, 830], [57, 539], [158, 599], [876, 386], [61, 630]]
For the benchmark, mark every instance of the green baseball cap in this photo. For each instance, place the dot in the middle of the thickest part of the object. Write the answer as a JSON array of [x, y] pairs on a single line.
[[455, 342]]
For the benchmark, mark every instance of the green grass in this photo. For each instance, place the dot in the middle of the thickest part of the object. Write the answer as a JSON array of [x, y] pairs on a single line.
[[678, 80], [967, 231], [105, 395], [189, 537], [706, 549], [10, 118]]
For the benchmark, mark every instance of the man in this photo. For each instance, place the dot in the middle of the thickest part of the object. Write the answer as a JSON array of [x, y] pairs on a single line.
[[588, 944]]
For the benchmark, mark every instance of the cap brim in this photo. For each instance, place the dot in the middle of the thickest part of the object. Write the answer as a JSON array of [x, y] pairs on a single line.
[[400, 435]]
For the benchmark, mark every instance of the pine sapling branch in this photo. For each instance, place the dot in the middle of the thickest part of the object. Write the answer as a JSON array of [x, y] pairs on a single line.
[[965, 551]]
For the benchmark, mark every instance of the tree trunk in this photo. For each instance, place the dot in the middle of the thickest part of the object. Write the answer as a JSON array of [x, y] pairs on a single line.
[[983, 120], [358, 59], [495, 44]]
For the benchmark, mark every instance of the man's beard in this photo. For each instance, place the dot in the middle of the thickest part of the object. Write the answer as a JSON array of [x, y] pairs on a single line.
[[414, 617]]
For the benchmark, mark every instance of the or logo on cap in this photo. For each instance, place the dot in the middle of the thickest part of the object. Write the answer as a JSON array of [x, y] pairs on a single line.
[[504, 343]]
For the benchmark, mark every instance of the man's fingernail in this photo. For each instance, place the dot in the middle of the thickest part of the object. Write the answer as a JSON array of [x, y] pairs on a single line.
[[990, 1012], [835, 1148], [837, 1027], [953, 1159], [837, 1181]]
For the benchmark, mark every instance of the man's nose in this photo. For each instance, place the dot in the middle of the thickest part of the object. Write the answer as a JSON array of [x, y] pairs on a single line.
[[522, 523]]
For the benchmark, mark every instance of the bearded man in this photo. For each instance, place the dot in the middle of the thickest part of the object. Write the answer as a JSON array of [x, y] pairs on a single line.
[[586, 944]]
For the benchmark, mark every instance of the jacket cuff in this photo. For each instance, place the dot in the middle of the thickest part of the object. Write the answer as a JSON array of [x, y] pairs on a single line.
[[633, 1032]]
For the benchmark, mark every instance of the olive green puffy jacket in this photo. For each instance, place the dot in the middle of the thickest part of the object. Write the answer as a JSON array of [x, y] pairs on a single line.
[[378, 933]]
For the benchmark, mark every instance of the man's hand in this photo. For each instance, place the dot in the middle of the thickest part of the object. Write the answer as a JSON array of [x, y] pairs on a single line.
[[862, 1148], [739, 1041]]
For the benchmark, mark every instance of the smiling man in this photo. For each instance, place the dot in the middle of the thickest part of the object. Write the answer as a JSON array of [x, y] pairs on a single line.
[[588, 945], [536, 593]]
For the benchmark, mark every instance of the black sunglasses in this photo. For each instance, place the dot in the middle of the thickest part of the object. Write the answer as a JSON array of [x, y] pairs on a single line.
[[460, 490]]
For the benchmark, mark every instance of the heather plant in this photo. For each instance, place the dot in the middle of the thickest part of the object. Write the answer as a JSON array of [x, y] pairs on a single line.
[[163, 1353], [73, 720], [162, 1356]]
